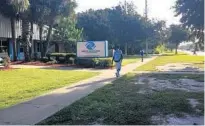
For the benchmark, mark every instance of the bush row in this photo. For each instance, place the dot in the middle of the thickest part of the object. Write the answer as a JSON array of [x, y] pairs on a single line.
[[71, 59], [62, 57], [94, 62]]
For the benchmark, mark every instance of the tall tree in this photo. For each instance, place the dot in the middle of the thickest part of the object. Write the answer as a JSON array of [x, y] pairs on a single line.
[[11, 9], [39, 13], [68, 33], [114, 25], [24, 16], [162, 31], [192, 17], [57, 8], [178, 34]]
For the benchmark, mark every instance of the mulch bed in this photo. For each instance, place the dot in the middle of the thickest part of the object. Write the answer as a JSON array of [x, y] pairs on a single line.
[[38, 63]]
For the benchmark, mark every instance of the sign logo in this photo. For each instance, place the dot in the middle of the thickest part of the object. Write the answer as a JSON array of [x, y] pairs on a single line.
[[90, 45]]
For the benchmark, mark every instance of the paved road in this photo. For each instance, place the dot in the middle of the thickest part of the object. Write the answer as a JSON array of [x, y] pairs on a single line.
[[33, 111]]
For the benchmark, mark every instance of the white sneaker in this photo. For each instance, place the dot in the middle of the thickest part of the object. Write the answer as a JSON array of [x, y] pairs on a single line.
[[117, 74]]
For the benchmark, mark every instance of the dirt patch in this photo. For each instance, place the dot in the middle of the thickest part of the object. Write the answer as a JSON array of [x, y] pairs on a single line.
[[173, 120], [99, 121], [179, 67], [187, 120], [193, 102], [154, 84]]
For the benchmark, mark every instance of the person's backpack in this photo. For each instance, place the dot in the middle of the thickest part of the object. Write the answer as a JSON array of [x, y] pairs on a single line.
[[141, 52], [117, 55]]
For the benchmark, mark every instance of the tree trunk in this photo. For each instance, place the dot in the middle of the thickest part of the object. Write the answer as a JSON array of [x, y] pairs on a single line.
[[31, 41], [195, 48], [13, 32], [146, 47], [49, 36], [41, 39], [56, 48], [176, 52], [25, 38], [126, 49]]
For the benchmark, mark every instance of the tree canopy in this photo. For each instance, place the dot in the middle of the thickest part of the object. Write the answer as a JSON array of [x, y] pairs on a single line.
[[178, 34], [119, 25], [192, 16], [67, 33]]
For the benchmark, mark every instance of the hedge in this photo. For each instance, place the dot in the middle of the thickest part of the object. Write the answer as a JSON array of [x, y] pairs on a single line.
[[63, 57], [84, 62], [94, 62]]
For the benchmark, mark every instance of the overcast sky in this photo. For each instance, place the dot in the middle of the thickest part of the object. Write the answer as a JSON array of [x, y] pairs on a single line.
[[158, 9]]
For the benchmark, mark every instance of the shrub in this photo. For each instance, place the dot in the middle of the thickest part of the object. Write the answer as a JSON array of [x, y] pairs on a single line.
[[104, 63], [45, 59], [6, 61], [94, 62], [156, 52], [86, 62], [62, 57], [35, 56], [160, 49], [52, 62], [72, 60]]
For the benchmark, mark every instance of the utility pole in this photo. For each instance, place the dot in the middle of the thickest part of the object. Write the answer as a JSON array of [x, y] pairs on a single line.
[[146, 19], [126, 41]]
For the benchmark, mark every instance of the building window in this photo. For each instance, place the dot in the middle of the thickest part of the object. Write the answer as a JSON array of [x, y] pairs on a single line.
[[21, 50], [3, 46], [38, 47]]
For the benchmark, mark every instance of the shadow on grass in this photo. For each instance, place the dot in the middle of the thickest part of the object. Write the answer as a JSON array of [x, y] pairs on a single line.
[[92, 84], [121, 104], [54, 101], [173, 54]]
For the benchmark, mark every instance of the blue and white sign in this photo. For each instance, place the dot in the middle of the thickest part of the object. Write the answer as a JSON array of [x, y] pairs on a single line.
[[92, 49], [90, 45]]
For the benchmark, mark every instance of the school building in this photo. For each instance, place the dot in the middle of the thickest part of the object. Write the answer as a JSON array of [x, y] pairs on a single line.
[[6, 43]]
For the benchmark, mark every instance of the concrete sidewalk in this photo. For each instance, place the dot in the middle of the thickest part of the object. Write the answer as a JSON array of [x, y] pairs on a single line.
[[33, 111]]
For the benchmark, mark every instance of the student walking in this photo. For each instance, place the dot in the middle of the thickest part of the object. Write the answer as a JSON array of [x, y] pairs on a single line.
[[142, 55], [117, 57]]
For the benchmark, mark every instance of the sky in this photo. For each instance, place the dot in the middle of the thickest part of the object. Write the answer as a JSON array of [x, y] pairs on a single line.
[[157, 9]]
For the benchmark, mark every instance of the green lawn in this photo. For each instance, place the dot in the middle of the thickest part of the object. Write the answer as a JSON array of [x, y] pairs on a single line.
[[131, 59], [19, 85], [121, 104], [170, 58]]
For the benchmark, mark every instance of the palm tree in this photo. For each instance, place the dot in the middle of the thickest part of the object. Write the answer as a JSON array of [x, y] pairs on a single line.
[[24, 15], [26, 35], [11, 9], [38, 13]]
